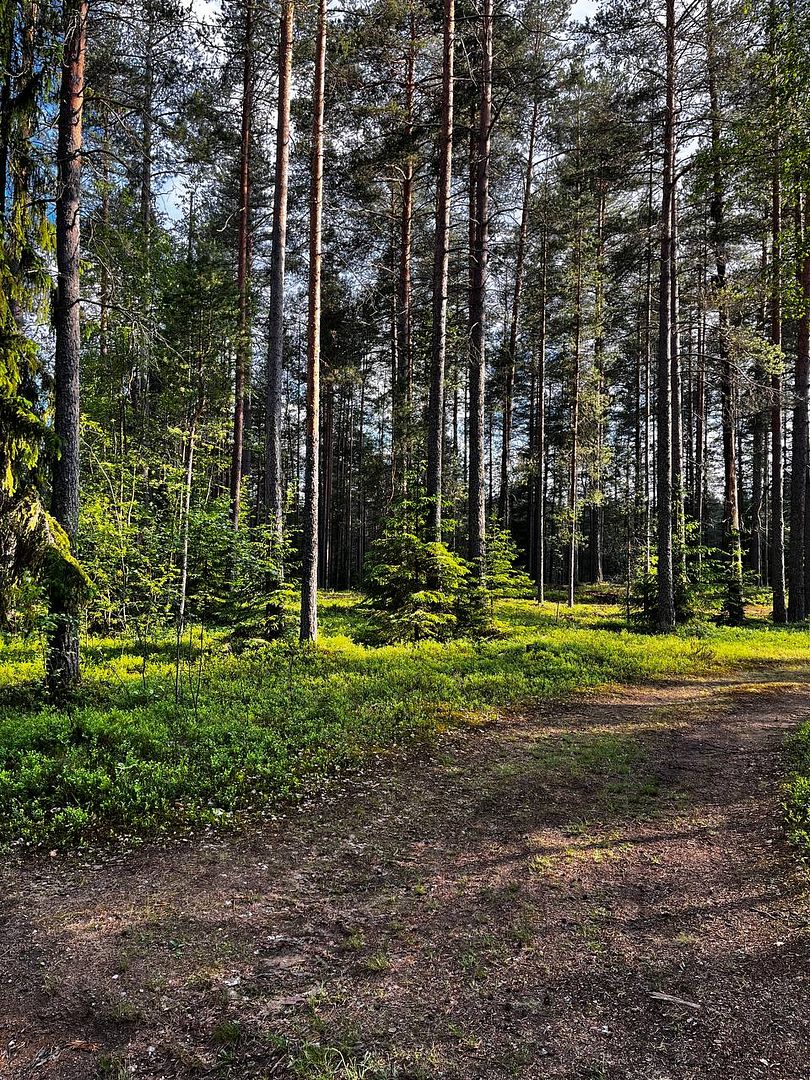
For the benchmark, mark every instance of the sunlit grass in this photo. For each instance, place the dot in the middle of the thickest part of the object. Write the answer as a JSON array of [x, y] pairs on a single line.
[[132, 753]]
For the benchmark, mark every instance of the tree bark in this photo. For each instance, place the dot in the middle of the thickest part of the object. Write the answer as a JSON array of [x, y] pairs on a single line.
[[539, 529], [573, 466], [678, 491], [477, 314], [63, 651], [275, 344], [648, 359], [441, 259], [700, 422], [243, 272], [403, 370], [185, 511], [777, 448], [797, 601], [511, 352], [664, 494], [7, 27], [309, 580], [731, 512], [146, 123], [596, 537]]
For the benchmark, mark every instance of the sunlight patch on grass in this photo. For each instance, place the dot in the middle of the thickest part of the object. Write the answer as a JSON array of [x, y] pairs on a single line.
[[274, 721]]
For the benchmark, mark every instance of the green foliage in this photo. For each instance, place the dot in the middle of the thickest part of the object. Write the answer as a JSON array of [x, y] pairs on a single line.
[[414, 587], [131, 755], [504, 577], [133, 549], [31, 541], [419, 590], [259, 596], [127, 548], [700, 592], [796, 795]]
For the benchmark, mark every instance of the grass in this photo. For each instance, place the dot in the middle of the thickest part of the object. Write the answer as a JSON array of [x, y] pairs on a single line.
[[272, 722], [797, 791]]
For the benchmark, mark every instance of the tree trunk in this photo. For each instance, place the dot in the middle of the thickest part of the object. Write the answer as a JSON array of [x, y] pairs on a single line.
[[477, 314], [327, 469], [664, 495], [243, 273], [759, 466], [403, 370], [797, 601], [731, 512], [309, 580], [146, 123], [596, 537], [275, 343], [777, 449], [511, 351], [20, 250], [540, 433], [755, 551], [648, 363], [186, 519], [63, 652], [700, 422], [573, 469], [7, 27], [441, 259], [678, 502]]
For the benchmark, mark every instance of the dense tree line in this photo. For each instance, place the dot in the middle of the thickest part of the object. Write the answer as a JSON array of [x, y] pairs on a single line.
[[282, 281]]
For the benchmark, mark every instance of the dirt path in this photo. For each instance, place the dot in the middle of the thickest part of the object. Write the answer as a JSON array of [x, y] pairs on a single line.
[[505, 906]]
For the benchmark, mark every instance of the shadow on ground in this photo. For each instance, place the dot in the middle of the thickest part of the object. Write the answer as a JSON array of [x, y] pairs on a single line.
[[508, 906]]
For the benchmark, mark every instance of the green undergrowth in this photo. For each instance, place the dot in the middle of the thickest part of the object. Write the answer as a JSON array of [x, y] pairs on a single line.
[[797, 792], [146, 745]]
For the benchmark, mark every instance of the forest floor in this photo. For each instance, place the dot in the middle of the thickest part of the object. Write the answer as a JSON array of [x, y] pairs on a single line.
[[593, 890]]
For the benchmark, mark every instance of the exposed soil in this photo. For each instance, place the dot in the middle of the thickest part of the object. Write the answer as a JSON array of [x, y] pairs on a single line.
[[507, 904]]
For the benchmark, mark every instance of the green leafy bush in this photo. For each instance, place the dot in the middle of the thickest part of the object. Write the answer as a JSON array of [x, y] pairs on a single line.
[[504, 577], [797, 792], [700, 589], [414, 588]]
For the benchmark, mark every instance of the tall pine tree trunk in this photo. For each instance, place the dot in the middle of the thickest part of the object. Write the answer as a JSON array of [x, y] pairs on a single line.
[[8, 15], [25, 84], [275, 344], [539, 455], [731, 511], [514, 321], [596, 536], [797, 600], [664, 493], [147, 109], [777, 447], [63, 651], [478, 295], [678, 491], [243, 272], [648, 364], [441, 258], [309, 580], [573, 465], [403, 369], [185, 518], [700, 422]]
